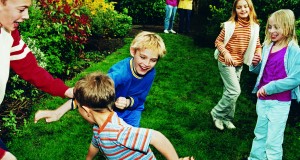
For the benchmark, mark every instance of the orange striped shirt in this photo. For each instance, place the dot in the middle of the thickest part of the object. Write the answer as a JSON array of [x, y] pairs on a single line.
[[238, 43]]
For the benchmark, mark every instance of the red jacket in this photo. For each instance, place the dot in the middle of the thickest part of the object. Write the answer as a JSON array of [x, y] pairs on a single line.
[[23, 62]]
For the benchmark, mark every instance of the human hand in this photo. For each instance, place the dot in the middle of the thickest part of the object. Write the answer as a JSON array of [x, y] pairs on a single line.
[[122, 103], [228, 59], [49, 115], [256, 59], [187, 158], [69, 93], [261, 93]]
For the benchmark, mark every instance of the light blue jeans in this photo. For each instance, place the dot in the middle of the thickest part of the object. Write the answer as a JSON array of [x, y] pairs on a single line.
[[225, 108], [269, 130], [170, 17]]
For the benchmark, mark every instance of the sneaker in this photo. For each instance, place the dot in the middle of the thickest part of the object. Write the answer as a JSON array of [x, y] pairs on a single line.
[[218, 123], [229, 125], [166, 31], [172, 31]]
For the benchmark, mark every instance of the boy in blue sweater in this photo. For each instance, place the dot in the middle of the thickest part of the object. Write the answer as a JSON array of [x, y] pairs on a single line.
[[133, 78]]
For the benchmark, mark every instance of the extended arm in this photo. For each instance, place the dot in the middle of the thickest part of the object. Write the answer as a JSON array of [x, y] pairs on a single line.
[[92, 152], [53, 115], [163, 145]]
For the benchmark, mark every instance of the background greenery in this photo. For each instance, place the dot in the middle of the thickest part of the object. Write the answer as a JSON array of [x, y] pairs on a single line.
[[186, 88]]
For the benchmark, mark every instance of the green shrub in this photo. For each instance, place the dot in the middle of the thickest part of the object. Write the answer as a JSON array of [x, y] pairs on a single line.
[[144, 11], [110, 23]]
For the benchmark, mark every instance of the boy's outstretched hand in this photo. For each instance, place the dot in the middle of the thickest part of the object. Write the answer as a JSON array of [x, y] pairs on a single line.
[[187, 158], [49, 115]]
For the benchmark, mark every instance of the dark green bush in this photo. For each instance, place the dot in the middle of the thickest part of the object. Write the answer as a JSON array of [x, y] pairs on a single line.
[[144, 11], [110, 23]]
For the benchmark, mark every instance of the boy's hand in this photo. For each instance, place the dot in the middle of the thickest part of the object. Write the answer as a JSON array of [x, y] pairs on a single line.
[[187, 158], [49, 115], [122, 103], [256, 59]]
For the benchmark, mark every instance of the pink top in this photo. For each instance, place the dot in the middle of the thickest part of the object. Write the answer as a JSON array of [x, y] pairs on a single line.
[[173, 3]]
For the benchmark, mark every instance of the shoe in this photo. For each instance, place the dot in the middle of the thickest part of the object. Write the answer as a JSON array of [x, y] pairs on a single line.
[[166, 31], [172, 31], [229, 125], [218, 123]]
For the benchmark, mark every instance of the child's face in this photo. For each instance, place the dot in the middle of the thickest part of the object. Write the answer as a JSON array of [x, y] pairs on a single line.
[[275, 31], [143, 60], [242, 9], [13, 12]]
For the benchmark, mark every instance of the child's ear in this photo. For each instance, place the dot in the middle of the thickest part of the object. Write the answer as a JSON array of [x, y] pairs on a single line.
[[132, 51]]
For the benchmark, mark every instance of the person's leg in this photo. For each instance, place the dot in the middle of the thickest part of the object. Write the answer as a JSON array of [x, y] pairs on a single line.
[[181, 20], [277, 116], [172, 18], [2, 145], [225, 108], [167, 17], [258, 149], [188, 20]]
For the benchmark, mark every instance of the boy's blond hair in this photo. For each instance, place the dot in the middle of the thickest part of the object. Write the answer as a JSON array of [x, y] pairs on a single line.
[[151, 41], [285, 19], [96, 91], [252, 14]]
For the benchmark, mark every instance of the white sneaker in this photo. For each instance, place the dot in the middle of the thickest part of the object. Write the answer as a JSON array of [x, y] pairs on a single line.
[[166, 31], [218, 123], [172, 31], [229, 125]]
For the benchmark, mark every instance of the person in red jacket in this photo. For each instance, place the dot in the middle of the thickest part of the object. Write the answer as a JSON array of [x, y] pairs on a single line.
[[17, 56]]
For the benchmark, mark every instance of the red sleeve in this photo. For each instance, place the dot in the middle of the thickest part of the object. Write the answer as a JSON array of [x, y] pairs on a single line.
[[25, 65], [2, 153]]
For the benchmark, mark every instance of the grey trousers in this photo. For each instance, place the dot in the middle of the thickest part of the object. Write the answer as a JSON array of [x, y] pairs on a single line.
[[225, 108]]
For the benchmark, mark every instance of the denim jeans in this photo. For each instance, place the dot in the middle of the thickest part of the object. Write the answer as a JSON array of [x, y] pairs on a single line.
[[225, 108], [170, 17], [269, 130]]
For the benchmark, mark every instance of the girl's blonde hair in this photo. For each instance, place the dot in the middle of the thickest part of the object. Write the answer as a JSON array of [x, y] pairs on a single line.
[[151, 41], [252, 14], [285, 19]]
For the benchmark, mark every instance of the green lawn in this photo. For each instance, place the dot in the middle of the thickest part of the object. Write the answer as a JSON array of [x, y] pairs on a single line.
[[186, 88]]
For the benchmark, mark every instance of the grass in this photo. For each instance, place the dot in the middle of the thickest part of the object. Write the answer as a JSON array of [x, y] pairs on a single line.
[[186, 88]]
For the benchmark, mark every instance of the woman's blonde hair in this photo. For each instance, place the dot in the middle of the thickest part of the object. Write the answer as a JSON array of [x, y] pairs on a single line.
[[252, 14], [285, 19], [151, 41]]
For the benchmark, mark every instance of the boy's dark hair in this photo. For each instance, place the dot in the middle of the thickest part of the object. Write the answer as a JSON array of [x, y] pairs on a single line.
[[96, 91]]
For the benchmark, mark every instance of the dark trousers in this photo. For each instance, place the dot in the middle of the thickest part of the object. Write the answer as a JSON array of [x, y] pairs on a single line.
[[184, 20], [2, 145], [294, 115]]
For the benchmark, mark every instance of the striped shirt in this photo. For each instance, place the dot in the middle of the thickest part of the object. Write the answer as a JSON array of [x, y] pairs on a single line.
[[238, 43], [118, 140]]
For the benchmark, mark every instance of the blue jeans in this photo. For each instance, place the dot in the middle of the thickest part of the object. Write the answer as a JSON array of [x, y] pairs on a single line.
[[170, 17], [269, 130]]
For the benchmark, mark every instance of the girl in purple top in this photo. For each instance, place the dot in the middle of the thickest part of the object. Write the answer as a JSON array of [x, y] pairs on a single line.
[[277, 83], [171, 8]]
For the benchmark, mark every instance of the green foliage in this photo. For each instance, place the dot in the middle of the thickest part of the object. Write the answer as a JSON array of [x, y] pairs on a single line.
[[10, 122], [144, 11], [110, 23]]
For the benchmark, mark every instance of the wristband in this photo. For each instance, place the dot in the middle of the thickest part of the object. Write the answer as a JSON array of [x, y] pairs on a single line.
[[73, 104]]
